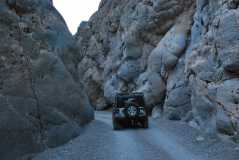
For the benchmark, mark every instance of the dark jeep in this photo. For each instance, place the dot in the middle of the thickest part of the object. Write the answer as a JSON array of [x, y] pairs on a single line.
[[129, 111]]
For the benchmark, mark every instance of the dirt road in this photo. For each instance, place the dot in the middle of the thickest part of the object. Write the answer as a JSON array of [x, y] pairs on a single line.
[[164, 140]]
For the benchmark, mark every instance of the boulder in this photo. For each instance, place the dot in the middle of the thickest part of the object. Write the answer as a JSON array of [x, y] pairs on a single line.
[[112, 86], [228, 96], [153, 87], [178, 95], [203, 107], [129, 70], [227, 42]]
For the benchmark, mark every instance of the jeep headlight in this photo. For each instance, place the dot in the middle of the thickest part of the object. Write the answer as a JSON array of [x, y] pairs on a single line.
[[119, 112], [116, 111]]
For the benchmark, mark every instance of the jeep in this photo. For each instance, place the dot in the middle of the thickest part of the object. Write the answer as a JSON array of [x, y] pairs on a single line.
[[129, 111]]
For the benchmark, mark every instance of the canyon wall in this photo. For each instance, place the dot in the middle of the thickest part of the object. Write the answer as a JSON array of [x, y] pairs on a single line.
[[42, 102], [182, 54]]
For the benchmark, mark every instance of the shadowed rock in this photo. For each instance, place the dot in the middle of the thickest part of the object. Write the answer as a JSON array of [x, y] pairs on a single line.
[[40, 93]]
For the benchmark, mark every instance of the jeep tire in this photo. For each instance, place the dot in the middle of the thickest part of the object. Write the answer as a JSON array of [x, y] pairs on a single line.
[[145, 123], [116, 125]]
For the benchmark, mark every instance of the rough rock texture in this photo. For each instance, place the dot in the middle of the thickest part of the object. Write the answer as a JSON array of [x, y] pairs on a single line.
[[42, 103], [182, 54], [120, 37], [212, 58]]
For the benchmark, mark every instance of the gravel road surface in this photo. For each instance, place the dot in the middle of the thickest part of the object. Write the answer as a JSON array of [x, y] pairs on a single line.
[[164, 140]]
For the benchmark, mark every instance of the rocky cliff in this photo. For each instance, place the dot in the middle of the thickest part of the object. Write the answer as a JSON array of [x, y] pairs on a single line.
[[42, 102], [182, 54]]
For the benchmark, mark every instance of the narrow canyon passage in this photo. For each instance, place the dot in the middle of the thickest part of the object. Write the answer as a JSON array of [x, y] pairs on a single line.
[[163, 140], [181, 56]]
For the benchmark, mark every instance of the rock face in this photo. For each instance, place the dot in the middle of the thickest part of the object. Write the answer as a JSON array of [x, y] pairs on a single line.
[[42, 102], [212, 58], [118, 41], [181, 54]]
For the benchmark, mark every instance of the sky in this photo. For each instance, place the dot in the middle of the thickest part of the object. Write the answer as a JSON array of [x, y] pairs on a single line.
[[76, 11]]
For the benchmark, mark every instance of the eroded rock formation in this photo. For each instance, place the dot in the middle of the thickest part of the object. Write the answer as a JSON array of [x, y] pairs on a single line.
[[42, 102], [118, 41], [182, 54]]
